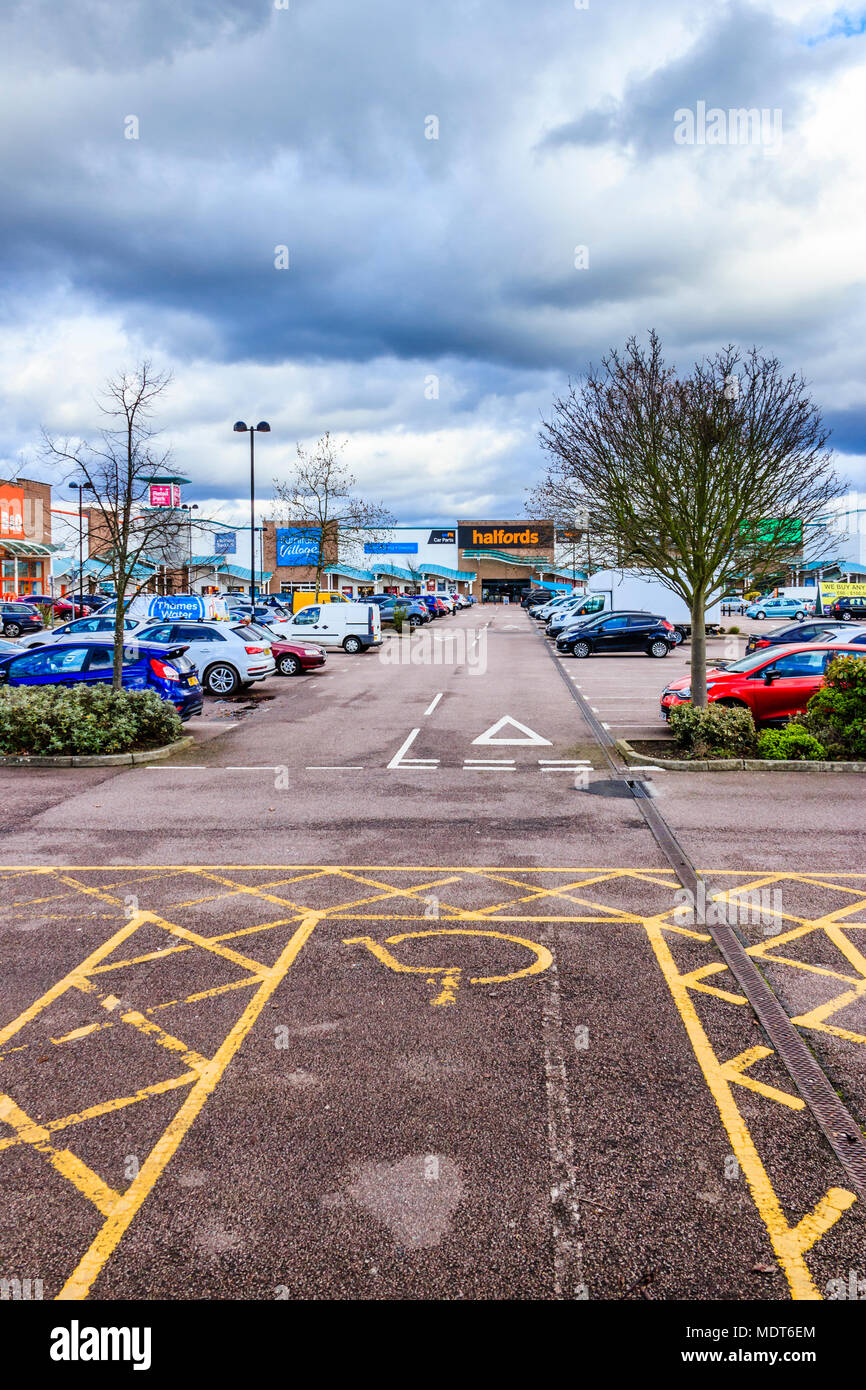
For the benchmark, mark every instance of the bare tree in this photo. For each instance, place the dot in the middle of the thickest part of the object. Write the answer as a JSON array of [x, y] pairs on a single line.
[[700, 479], [117, 466], [319, 498]]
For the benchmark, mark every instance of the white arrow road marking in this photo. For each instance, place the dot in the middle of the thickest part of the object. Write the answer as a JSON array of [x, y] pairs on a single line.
[[529, 735], [420, 764], [430, 708]]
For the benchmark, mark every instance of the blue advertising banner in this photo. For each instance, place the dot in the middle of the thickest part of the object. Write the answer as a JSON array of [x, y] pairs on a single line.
[[392, 548], [298, 545], [225, 543], [176, 607]]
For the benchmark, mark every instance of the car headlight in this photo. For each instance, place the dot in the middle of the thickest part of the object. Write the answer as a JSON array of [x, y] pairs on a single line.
[[683, 694], [312, 651]]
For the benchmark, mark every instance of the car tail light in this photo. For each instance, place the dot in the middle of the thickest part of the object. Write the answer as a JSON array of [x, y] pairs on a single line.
[[762, 642], [669, 626], [255, 651], [159, 668]]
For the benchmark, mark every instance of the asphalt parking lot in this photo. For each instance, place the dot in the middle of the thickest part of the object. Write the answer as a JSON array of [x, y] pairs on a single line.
[[382, 990]]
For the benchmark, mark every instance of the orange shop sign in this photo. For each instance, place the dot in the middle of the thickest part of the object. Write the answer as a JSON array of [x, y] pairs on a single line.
[[11, 511]]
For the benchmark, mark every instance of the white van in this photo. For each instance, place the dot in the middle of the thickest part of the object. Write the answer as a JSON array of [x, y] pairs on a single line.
[[352, 626]]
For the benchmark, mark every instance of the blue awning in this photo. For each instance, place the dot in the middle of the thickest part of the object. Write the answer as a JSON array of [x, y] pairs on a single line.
[[440, 571]]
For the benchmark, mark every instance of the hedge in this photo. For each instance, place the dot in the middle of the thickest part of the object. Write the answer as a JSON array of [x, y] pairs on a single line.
[[81, 719]]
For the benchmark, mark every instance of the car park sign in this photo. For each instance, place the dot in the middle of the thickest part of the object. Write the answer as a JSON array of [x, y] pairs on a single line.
[[225, 543]]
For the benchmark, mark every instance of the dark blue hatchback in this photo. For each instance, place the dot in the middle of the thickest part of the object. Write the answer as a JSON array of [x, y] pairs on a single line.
[[146, 666]]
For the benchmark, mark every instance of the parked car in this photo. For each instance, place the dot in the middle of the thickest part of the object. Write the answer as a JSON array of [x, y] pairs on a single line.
[[534, 597], [8, 648], [61, 607], [789, 633], [775, 685], [564, 618], [162, 667], [353, 626], [82, 630], [435, 605], [416, 614], [228, 655], [19, 617], [293, 658], [620, 632], [779, 608], [848, 609]]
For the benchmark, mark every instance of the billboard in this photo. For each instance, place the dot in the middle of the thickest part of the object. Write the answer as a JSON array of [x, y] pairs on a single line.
[[225, 543], [511, 535], [442, 537], [391, 548], [298, 545], [164, 495]]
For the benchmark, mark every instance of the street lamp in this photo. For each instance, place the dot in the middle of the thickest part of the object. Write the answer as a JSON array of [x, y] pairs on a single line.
[[262, 428], [79, 488], [189, 508]]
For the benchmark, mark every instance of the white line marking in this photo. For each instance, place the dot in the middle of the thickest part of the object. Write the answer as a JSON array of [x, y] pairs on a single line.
[[564, 762], [488, 762], [334, 767], [188, 767], [488, 767], [529, 735], [430, 708], [398, 759]]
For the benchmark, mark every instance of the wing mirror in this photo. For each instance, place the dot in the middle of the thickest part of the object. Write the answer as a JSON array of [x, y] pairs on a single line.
[[769, 677]]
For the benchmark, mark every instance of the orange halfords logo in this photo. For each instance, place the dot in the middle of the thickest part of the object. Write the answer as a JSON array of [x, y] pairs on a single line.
[[500, 537]]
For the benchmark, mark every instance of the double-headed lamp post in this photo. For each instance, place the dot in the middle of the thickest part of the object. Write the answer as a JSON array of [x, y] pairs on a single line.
[[261, 428], [80, 488]]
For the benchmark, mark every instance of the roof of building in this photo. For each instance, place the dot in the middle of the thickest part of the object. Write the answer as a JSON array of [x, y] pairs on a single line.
[[468, 576], [219, 563]]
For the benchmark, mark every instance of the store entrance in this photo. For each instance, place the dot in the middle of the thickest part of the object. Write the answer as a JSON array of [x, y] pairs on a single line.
[[500, 590]]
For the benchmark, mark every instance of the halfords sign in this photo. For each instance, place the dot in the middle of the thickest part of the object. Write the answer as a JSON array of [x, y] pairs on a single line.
[[513, 535]]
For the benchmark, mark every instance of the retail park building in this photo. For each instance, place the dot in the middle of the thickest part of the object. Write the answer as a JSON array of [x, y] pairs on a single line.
[[490, 559]]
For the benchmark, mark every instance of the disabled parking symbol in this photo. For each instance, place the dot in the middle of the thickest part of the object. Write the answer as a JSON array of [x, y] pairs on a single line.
[[446, 979]]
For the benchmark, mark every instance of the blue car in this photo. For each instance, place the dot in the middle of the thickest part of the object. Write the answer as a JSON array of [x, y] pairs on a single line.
[[778, 608], [146, 666]]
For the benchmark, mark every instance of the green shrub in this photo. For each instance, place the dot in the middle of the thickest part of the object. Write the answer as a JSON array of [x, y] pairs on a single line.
[[81, 719], [793, 743], [836, 714], [716, 731], [733, 629]]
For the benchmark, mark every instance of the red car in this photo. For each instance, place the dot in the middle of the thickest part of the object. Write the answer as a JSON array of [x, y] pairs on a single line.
[[775, 684], [292, 658], [63, 607]]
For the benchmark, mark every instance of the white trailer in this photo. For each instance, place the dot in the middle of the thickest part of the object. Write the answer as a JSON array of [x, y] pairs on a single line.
[[643, 593]]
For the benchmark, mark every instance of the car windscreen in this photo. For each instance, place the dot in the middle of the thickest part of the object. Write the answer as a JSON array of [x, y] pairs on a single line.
[[748, 663], [250, 631]]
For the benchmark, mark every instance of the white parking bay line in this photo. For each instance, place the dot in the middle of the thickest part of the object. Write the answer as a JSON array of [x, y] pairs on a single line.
[[430, 708], [335, 767]]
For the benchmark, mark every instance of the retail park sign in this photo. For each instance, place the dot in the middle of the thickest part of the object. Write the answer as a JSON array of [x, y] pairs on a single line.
[[516, 535], [11, 511]]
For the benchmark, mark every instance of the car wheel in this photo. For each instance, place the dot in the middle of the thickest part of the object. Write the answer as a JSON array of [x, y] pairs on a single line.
[[659, 648], [800, 617], [289, 665], [761, 614], [846, 618], [679, 636], [352, 645], [12, 630], [414, 620], [221, 680], [581, 649]]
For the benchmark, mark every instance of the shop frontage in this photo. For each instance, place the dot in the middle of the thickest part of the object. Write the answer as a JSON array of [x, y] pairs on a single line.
[[506, 557]]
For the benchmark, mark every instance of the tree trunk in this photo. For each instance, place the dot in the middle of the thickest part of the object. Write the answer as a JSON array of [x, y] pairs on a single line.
[[119, 635], [699, 650]]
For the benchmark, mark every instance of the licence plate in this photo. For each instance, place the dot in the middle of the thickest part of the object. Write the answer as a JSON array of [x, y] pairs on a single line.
[[192, 680]]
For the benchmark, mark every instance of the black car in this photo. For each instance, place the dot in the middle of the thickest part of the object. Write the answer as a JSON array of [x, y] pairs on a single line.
[[811, 631], [620, 632], [19, 617], [849, 610], [535, 596]]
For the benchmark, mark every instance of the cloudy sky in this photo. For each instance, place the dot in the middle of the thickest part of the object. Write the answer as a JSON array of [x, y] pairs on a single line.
[[432, 305]]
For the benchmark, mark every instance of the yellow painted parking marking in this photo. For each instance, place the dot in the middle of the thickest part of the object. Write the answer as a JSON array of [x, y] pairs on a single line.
[[389, 895], [452, 974]]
